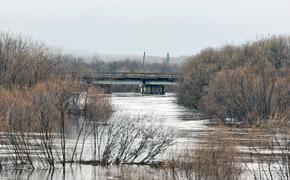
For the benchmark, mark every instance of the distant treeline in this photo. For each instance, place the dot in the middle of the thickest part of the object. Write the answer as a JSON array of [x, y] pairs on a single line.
[[129, 65], [248, 82], [24, 62]]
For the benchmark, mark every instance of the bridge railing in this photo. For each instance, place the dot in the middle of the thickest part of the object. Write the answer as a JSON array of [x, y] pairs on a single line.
[[128, 75]]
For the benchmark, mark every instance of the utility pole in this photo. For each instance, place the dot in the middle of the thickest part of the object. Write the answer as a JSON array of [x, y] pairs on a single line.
[[143, 62], [166, 62], [167, 58]]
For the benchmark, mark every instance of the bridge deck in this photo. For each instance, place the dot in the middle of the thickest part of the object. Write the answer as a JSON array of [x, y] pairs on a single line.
[[134, 76]]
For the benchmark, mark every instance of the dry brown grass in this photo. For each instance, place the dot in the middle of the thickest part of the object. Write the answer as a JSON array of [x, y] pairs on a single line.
[[215, 157]]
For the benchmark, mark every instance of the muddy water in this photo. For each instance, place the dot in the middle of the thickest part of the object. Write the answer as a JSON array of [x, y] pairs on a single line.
[[161, 110]]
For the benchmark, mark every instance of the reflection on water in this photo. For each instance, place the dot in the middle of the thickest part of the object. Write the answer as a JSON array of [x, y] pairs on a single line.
[[77, 172], [163, 111]]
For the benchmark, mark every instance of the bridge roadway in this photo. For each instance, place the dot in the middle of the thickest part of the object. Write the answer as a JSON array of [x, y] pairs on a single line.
[[150, 83]]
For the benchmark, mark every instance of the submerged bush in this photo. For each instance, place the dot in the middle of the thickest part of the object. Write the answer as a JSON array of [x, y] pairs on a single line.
[[214, 157], [129, 141]]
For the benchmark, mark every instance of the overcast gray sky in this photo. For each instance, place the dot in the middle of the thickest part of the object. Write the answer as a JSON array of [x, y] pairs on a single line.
[[181, 27]]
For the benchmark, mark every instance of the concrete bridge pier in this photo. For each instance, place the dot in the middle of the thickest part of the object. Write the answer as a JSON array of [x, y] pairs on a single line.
[[107, 88], [152, 89]]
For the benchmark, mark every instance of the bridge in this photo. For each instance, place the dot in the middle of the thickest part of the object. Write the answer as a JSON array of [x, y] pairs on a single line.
[[150, 83]]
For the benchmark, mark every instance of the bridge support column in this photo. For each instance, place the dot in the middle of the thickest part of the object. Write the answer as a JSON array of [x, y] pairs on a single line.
[[107, 89], [152, 89]]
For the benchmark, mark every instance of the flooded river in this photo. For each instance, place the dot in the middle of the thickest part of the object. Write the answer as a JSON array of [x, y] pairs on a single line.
[[187, 124], [161, 110]]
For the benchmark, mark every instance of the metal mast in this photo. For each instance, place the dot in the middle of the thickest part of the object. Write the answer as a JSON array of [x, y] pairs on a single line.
[[143, 62]]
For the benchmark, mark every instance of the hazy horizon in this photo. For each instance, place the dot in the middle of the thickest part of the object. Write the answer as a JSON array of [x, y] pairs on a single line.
[[130, 27]]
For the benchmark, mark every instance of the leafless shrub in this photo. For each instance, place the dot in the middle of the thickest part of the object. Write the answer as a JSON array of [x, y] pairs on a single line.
[[35, 114], [125, 141]]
